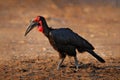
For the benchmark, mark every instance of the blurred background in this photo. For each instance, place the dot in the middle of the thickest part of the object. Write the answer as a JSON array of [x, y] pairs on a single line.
[[98, 21]]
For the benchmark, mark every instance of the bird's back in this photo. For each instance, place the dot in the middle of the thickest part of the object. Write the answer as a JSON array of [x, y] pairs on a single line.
[[65, 36]]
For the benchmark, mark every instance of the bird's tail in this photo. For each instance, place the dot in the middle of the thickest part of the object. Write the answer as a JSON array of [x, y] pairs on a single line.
[[96, 56]]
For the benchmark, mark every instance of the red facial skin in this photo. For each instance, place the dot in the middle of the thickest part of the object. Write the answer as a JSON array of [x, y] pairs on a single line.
[[37, 19], [40, 27]]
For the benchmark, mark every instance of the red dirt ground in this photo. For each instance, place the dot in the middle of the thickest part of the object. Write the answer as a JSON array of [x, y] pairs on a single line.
[[32, 57]]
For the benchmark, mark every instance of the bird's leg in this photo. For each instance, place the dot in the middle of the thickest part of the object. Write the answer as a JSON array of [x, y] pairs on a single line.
[[76, 62], [60, 62]]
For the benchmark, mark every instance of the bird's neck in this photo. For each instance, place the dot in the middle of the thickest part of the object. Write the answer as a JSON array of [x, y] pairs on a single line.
[[46, 29]]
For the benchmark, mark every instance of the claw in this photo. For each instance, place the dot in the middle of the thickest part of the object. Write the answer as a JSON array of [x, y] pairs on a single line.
[[60, 63]]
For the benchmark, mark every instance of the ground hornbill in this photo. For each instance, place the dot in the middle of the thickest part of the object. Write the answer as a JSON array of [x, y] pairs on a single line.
[[64, 40]]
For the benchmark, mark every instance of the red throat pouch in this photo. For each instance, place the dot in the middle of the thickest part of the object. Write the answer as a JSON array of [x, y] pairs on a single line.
[[40, 28]]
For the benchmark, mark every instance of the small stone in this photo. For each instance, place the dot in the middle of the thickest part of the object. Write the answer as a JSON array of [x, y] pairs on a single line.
[[44, 49], [92, 35], [22, 42]]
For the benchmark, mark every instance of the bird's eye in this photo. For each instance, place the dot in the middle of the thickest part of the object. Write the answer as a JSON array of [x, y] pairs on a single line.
[[39, 24]]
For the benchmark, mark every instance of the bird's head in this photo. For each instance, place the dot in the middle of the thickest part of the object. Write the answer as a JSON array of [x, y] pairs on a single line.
[[36, 22]]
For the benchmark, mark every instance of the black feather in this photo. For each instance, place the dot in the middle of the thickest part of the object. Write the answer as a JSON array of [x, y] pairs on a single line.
[[96, 56]]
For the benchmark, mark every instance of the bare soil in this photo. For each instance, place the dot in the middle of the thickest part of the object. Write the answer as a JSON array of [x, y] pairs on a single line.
[[33, 58]]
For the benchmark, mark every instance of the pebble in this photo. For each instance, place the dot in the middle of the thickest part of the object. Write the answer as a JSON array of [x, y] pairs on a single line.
[[21, 42], [92, 35], [44, 49]]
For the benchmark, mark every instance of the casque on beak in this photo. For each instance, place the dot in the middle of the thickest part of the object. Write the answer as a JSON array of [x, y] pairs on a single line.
[[31, 26]]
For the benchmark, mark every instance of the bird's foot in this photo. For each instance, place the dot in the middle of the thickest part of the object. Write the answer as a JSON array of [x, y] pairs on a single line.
[[77, 67]]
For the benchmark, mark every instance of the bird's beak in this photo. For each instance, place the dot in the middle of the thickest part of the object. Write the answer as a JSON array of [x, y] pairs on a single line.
[[30, 27]]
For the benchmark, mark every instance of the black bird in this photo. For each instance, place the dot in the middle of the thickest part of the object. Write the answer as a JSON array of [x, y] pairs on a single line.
[[64, 40]]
